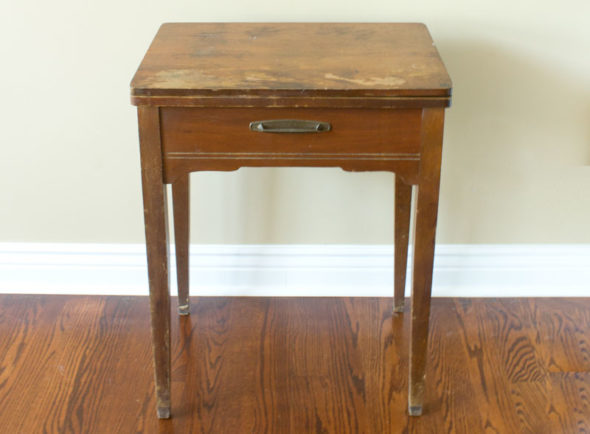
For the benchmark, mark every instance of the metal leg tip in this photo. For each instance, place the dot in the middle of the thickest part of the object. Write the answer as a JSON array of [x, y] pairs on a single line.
[[185, 309], [399, 308], [163, 412], [415, 410]]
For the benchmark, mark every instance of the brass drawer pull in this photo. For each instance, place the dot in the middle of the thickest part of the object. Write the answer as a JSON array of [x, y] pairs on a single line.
[[289, 126]]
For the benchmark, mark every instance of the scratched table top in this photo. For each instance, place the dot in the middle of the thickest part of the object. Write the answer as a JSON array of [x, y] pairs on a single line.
[[292, 60]]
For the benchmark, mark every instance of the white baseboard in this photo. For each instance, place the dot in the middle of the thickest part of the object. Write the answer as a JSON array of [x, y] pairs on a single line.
[[298, 270]]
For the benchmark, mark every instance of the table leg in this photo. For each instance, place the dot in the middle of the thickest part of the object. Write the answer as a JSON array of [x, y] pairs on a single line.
[[424, 239], [156, 237], [181, 204], [403, 201]]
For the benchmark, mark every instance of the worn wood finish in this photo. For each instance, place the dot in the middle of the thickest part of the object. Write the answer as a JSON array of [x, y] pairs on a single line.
[[423, 261], [382, 87], [403, 205], [188, 60], [294, 365], [181, 206], [156, 237]]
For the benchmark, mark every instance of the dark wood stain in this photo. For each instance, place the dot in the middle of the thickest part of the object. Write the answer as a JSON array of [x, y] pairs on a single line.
[[294, 365]]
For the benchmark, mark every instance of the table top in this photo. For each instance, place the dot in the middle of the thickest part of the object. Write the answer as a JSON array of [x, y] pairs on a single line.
[[291, 60]]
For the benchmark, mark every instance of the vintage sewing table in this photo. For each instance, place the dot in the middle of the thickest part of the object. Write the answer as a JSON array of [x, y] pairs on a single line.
[[362, 97]]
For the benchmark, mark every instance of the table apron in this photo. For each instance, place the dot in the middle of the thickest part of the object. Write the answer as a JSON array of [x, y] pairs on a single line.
[[197, 139]]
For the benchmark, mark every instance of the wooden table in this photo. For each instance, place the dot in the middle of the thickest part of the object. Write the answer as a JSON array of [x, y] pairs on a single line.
[[363, 97]]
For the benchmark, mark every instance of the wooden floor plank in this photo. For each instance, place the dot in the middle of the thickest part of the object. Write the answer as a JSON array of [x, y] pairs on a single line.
[[483, 382], [294, 365], [570, 403], [450, 396], [566, 325]]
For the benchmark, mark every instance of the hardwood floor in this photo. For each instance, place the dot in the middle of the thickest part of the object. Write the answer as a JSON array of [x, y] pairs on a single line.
[[294, 365]]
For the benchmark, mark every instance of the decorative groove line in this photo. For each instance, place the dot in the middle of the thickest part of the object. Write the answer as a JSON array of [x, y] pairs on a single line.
[[288, 156]]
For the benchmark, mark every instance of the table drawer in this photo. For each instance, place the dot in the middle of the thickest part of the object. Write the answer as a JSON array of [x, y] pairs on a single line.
[[225, 133]]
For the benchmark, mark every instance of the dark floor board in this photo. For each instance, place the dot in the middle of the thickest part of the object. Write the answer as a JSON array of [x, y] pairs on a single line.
[[294, 365]]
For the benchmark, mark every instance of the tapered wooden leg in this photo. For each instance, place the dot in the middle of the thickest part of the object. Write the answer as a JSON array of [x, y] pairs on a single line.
[[403, 202], [181, 205], [424, 238], [156, 237]]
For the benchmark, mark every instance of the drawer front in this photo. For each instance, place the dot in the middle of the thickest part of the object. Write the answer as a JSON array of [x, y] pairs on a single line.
[[225, 132]]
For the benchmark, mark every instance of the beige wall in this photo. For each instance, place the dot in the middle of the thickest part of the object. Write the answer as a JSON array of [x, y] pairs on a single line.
[[517, 144]]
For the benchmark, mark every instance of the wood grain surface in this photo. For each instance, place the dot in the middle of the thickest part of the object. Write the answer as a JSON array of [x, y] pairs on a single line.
[[290, 59], [71, 364]]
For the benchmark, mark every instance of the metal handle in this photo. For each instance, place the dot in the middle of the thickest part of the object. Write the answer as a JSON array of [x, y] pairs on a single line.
[[289, 126]]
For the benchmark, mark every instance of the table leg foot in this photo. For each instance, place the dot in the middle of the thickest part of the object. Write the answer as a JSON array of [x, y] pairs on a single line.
[[415, 410], [184, 310], [163, 412]]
